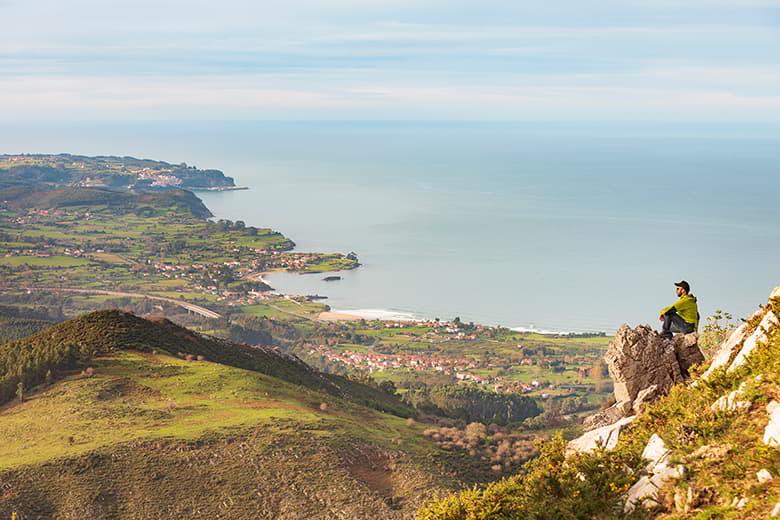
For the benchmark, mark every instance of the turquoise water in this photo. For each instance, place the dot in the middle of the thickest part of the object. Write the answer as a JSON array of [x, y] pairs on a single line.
[[552, 226]]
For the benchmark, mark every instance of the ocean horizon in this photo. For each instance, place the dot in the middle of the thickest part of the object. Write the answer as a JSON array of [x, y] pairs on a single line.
[[556, 227]]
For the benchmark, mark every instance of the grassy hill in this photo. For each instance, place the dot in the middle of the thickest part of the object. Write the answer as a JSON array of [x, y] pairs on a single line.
[[45, 197], [151, 431]]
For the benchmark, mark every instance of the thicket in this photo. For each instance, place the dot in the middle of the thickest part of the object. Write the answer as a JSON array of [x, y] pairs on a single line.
[[505, 451], [12, 328], [472, 404]]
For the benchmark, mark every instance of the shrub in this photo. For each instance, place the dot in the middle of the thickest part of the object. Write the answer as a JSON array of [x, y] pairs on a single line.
[[586, 486]]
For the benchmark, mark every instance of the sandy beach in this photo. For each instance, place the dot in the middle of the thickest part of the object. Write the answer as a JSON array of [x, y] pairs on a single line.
[[337, 316]]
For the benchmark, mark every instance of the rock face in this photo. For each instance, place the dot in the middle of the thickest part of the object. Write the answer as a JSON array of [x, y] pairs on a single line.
[[758, 336], [647, 489], [640, 358], [686, 348], [612, 414], [727, 351]]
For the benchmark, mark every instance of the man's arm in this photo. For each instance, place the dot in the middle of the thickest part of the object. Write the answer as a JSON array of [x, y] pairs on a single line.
[[667, 309]]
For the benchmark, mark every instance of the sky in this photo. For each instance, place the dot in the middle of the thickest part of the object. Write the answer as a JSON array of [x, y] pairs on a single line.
[[698, 60]]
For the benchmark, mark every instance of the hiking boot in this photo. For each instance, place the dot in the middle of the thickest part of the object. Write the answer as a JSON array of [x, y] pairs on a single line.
[[666, 334]]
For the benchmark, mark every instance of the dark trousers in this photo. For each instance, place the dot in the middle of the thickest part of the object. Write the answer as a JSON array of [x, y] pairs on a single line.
[[674, 323]]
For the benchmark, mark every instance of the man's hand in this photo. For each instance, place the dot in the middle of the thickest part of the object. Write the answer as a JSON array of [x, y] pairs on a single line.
[[661, 317]]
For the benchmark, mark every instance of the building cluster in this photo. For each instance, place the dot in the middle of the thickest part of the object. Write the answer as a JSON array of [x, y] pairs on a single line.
[[372, 361]]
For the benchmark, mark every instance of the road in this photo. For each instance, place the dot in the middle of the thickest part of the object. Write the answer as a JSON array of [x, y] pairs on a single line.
[[197, 309]]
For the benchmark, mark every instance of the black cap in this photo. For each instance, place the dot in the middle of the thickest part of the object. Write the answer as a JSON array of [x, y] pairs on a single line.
[[685, 285]]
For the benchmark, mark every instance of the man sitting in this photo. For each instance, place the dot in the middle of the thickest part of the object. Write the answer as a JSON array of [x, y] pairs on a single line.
[[682, 315]]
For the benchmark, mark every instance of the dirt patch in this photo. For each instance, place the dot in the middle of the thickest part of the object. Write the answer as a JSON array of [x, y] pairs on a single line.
[[378, 479]]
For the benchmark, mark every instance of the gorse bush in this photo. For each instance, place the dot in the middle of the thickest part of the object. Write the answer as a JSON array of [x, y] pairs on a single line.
[[582, 487]]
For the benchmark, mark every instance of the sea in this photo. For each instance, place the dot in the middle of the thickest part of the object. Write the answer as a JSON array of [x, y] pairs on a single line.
[[548, 226]]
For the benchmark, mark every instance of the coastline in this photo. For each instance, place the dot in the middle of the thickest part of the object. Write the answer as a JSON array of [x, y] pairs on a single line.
[[219, 188]]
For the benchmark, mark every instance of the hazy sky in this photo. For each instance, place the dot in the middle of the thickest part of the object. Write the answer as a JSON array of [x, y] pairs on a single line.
[[390, 59]]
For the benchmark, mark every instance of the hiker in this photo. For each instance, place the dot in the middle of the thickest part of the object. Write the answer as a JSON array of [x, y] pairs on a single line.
[[682, 315]]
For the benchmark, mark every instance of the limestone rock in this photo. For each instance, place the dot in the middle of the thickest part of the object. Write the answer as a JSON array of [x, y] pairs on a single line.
[[772, 430], [757, 337], [655, 452], [764, 476], [646, 490], [639, 358], [727, 351], [608, 416], [606, 436], [645, 396], [775, 293], [775, 510], [686, 347], [731, 402]]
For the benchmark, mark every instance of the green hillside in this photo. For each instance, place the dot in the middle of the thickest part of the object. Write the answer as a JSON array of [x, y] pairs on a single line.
[[150, 420]]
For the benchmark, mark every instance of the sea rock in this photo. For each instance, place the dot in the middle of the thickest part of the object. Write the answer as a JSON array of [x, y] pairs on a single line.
[[647, 489], [764, 476], [772, 430], [757, 337], [608, 416], [647, 395], [639, 358], [686, 347], [605, 436]]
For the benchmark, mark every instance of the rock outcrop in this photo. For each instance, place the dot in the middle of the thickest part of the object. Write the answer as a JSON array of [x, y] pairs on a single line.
[[659, 471], [640, 358], [643, 366], [736, 349], [605, 436]]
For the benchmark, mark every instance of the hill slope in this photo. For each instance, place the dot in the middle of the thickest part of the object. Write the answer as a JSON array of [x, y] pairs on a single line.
[[244, 433], [710, 456]]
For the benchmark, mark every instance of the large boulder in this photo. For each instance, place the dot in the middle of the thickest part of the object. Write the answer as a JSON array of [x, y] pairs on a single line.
[[639, 358]]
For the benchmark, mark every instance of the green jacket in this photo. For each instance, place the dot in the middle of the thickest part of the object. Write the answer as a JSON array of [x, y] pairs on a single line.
[[686, 308]]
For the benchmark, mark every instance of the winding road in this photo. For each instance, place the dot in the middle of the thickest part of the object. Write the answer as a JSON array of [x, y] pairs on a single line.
[[197, 309]]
